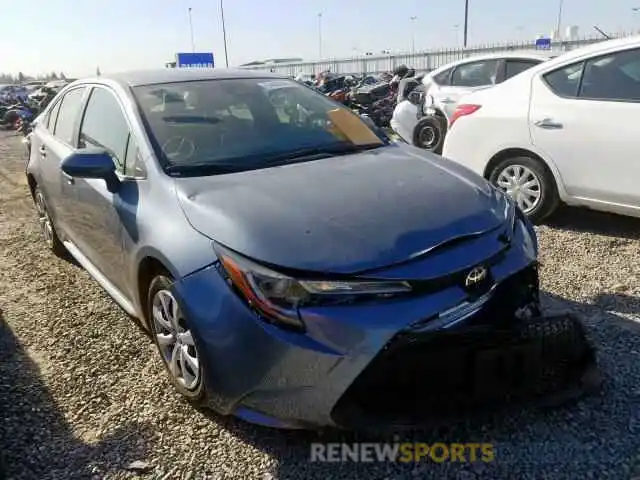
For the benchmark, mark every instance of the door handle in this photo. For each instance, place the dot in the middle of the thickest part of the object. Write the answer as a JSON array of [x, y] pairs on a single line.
[[68, 178], [548, 124], [43, 152], [447, 100]]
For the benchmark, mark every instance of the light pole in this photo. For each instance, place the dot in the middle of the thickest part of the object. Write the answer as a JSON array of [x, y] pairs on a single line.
[[319, 35], [413, 19], [456, 29], [466, 22], [559, 24], [224, 34], [193, 43]]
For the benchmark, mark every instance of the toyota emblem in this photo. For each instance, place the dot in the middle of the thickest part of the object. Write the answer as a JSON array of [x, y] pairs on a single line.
[[476, 276]]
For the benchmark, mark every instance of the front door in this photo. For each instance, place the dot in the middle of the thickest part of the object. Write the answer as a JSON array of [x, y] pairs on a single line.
[[98, 217]]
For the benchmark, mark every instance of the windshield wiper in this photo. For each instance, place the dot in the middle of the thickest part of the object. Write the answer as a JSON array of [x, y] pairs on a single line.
[[324, 151], [259, 161], [202, 168]]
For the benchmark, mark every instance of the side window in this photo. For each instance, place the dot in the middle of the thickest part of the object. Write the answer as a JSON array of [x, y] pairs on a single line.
[[475, 74], [104, 125], [613, 77], [514, 67], [443, 78], [65, 122], [50, 121], [565, 82]]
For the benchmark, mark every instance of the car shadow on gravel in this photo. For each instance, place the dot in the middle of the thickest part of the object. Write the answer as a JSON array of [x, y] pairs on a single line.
[[597, 433], [36, 441], [582, 220]]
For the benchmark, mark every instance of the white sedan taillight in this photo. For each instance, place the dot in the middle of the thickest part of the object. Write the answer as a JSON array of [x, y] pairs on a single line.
[[462, 111]]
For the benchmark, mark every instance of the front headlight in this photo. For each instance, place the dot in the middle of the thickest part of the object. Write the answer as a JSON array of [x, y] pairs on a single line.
[[277, 297]]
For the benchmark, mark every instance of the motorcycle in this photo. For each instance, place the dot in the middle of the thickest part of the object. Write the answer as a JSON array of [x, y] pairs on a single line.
[[15, 115]]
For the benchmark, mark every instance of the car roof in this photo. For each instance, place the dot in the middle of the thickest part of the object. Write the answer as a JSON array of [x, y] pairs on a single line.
[[527, 54], [599, 48], [171, 75]]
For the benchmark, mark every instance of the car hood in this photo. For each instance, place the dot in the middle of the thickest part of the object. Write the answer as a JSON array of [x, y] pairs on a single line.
[[344, 214]]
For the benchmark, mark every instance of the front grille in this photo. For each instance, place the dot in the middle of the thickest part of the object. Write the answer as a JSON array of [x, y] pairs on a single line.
[[422, 377]]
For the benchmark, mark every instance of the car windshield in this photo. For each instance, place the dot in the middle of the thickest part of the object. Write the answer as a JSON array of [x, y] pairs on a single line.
[[228, 125]]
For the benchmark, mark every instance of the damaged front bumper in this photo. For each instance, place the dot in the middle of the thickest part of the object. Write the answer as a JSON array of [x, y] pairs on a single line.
[[447, 375]]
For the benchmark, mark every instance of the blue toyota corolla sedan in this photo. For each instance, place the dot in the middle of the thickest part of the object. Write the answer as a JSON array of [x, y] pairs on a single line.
[[279, 249]]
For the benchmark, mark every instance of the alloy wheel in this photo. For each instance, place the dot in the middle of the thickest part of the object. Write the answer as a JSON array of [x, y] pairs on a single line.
[[175, 340], [522, 184], [46, 226]]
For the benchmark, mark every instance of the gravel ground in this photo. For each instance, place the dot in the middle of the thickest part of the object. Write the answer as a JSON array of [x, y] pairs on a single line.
[[83, 394]]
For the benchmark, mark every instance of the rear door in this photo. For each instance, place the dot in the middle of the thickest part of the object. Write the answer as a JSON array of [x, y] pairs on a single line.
[[584, 117], [465, 79], [55, 139]]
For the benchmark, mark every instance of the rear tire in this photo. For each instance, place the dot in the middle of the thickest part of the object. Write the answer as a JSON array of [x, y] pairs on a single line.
[[47, 229], [534, 172], [429, 133], [174, 341]]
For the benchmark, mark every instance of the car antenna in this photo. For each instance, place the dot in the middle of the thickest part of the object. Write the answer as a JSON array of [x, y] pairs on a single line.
[[602, 33]]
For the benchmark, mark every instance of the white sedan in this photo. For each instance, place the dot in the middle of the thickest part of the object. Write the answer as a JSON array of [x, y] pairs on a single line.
[[447, 84], [564, 131]]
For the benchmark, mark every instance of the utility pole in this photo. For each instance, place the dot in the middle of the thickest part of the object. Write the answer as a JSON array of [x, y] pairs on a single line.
[[413, 34], [193, 43], [320, 36], [224, 34], [466, 22], [559, 24]]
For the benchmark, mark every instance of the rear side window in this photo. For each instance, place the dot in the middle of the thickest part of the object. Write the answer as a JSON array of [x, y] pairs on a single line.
[[612, 77], [514, 67], [565, 82], [67, 116], [50, 122], [475, 74], [443, 77], [105, 126]]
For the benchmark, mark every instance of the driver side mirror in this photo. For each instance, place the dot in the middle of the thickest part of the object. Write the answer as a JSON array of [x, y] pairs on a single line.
[[91, 163], [415, 98]]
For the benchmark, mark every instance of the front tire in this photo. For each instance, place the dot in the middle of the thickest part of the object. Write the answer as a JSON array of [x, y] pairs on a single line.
[[174, 340], [530, 183], [429, 133], [47, 229]]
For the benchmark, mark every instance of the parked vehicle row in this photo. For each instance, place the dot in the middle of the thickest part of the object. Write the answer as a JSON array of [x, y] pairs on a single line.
[[546, 129], [294, 266], [422, 120], [373, 96], [563, 131]]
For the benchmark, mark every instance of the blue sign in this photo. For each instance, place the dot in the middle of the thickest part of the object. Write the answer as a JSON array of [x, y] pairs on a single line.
[[543, 43], [194, 60]]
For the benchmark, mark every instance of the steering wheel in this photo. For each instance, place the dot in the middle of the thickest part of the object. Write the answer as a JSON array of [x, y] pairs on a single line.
[[178, 148]]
